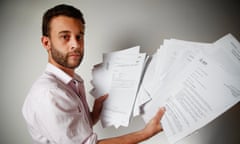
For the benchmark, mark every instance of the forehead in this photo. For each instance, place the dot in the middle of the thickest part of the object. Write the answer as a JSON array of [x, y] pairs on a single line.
[[64, 23]]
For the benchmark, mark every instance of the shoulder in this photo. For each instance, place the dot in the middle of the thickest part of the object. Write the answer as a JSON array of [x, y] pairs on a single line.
[[49, 97], [48, 90], [42, 85]]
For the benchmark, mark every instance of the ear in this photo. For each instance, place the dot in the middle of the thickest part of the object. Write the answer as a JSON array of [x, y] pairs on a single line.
[[46, 42]]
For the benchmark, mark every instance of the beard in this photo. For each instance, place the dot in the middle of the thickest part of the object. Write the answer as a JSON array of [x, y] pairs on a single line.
[[63, 59]]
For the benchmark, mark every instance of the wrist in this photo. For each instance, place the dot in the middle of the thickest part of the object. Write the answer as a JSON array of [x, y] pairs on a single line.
[[145, 134], [93, 118], [149, 132]]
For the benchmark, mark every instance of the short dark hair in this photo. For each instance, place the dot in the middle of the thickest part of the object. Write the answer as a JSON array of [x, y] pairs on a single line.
[[62, 9]]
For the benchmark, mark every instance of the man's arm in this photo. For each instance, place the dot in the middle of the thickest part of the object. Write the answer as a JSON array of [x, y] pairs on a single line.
[[152, 128]]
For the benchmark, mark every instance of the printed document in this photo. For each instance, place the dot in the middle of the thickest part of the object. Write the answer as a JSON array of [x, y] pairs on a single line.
[[122, 71], [196, 82], [196, 92], [202, 92]]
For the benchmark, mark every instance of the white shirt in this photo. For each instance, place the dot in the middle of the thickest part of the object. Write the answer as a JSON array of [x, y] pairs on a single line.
[[57, 114]]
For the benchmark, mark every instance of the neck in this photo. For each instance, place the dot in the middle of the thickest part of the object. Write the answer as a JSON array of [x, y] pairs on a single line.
[[68, 71]]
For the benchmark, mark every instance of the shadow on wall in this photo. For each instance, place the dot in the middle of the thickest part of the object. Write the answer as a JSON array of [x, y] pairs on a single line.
[[221, 130]]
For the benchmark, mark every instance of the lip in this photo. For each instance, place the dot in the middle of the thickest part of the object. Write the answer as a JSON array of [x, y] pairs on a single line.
[[74, 55]]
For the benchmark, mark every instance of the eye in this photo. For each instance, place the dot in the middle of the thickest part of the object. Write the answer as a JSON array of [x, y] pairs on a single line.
[[79, 37], [65, 37]]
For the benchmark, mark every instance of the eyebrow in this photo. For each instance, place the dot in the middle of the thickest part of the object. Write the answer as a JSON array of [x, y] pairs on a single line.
[[66, 32]]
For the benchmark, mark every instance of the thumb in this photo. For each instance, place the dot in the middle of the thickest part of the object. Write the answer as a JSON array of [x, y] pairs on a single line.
[[160, 114], [101, 99]]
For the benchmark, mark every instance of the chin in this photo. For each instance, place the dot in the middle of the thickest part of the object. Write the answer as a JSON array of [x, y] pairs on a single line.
[[73, 66]]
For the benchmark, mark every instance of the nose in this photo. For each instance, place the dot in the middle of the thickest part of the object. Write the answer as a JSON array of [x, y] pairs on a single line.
[[75, 43]]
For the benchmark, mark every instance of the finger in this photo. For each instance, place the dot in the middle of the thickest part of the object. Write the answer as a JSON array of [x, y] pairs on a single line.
[[105, 96], [102, 98], [160, 114]]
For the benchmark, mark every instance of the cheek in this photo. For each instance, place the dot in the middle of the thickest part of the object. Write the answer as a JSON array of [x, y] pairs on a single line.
[[82, 50], [59, 47], [82, 46]]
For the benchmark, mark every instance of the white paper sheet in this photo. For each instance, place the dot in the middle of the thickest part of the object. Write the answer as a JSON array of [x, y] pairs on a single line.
[[203, 91], [122, 94], [196, 82], [174, 55], [193, 94], [122, 71]]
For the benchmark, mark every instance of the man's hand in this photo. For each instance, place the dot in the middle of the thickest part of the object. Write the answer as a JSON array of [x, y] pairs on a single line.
[[154, 126], [97, 108]]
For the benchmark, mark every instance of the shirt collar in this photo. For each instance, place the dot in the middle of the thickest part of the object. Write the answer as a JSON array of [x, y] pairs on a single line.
[[61, 75]]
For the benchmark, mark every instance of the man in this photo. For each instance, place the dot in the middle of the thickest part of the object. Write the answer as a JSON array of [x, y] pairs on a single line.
[[56, 110]]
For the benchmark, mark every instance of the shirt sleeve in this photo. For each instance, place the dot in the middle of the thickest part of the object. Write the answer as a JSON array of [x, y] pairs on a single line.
[[63, 119]]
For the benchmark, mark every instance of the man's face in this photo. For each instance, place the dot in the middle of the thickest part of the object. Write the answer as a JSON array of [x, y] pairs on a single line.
[[66, 41]]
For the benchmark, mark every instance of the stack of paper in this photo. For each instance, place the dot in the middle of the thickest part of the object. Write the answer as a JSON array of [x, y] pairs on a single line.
[[172, 57], [195, 82], [118, 75], [165, 64]]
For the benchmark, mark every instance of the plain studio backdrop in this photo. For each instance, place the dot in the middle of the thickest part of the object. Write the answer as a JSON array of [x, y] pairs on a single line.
[[110, 25]]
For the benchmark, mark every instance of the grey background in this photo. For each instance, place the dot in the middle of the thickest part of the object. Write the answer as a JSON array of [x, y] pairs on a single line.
[[111, 25]]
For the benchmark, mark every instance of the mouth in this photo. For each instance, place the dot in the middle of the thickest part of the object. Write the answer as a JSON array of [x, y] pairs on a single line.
[[75, 57], [74, 54]]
